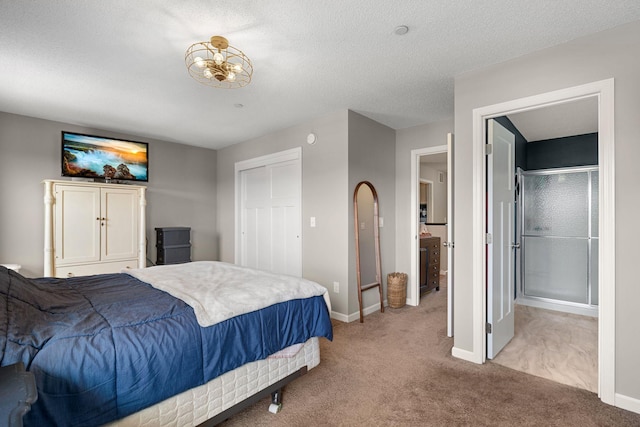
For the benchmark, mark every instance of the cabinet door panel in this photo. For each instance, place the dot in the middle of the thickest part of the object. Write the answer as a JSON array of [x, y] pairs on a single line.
[[120, 227], [77, 211]]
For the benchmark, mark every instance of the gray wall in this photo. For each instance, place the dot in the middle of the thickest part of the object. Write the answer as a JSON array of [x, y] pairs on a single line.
[[324, 196], [372, 158], [350, 148], [181, 189], [429, 135], [592, 58]]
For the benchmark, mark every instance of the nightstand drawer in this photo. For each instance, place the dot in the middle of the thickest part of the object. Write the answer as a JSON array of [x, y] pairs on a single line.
[[98, 268]]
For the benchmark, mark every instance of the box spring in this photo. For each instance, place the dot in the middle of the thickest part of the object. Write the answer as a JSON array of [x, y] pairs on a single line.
[[199, 404]]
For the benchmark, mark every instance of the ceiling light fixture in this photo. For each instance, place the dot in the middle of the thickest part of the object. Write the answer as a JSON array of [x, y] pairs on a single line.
[[215, 63]]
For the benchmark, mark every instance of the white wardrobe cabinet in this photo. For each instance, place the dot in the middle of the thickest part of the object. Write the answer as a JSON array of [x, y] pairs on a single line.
[[93, 228]]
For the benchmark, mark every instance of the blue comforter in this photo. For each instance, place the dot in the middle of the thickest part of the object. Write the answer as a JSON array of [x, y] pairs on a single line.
[[102, 347]]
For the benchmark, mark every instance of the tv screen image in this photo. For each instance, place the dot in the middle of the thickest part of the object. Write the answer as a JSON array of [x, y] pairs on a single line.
[[89, 156]]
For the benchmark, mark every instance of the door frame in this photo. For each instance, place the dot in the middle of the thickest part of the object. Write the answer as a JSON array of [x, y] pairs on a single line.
[[256, 162], [414, 274], [604, 91]]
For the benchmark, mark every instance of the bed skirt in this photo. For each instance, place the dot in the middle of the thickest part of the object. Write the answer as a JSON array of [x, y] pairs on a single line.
[[199, 404]]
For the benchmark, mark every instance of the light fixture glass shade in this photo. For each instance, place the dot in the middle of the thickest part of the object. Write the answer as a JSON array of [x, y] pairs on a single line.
[[215, 63]]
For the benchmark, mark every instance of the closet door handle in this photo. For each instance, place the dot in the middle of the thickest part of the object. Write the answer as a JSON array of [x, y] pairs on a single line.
[[515, 246]]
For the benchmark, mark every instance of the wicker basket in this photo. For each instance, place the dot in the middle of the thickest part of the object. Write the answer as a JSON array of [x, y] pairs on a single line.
[[397, 289]]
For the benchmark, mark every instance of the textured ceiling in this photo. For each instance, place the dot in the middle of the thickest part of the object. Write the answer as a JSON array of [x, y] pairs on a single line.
[[567, 119], [119, 65]]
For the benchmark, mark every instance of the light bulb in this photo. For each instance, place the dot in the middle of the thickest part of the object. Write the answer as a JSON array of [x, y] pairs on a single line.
[[237, 68], [200, 63], [218, 58], [207, 73], [231, 76]]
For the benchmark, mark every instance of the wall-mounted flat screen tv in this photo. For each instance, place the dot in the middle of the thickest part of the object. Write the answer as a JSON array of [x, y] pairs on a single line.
[[90, 156]]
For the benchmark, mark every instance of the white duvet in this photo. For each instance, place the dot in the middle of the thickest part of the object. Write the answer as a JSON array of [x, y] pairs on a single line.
[[218, 291]]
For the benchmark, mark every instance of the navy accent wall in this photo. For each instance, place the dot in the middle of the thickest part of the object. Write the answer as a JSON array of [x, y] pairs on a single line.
[[579, 150]]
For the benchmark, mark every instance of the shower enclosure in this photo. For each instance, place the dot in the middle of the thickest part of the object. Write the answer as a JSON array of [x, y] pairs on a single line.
[[558, 228]]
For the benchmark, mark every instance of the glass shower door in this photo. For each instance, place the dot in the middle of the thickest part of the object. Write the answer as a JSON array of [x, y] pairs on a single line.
[[556, 235]]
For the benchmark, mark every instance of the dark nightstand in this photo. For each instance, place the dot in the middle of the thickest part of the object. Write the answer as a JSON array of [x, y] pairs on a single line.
[[173, 245]]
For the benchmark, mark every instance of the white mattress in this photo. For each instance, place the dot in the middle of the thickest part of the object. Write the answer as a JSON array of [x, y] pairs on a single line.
[[197, 405]]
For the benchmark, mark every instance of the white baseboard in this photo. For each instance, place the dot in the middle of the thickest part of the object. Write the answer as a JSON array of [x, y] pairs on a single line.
[[469, 356], [628, 403], [356, 316], [339, 316]]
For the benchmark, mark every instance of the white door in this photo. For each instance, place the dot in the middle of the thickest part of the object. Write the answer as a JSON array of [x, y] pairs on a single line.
[[500, 237], [449, 243], [119, 224], [270, 218], [77, 211]]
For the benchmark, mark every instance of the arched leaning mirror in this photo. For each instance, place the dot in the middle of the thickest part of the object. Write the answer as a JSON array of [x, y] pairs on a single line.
[[367, 234]]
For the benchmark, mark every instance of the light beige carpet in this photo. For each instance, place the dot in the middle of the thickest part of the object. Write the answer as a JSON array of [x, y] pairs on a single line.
[[562, 347], [396, 369]]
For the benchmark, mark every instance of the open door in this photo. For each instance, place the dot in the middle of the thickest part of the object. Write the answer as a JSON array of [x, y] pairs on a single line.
[[449, 243], [500, 237]]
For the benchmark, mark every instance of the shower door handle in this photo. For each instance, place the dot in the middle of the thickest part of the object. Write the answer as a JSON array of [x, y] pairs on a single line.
[[515, 246]]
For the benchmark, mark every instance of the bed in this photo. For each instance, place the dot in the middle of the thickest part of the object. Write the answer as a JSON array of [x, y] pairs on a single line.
[[168, 345]]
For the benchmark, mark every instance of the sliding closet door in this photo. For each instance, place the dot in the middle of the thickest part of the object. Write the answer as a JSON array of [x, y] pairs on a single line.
[[270, 218]]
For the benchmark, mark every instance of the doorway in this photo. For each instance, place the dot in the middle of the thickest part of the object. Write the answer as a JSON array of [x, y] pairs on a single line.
[[442, 156], [604, 91], [554, 247]]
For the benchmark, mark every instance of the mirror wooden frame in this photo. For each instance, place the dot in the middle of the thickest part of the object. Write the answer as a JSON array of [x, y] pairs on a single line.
[[376, 239]]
